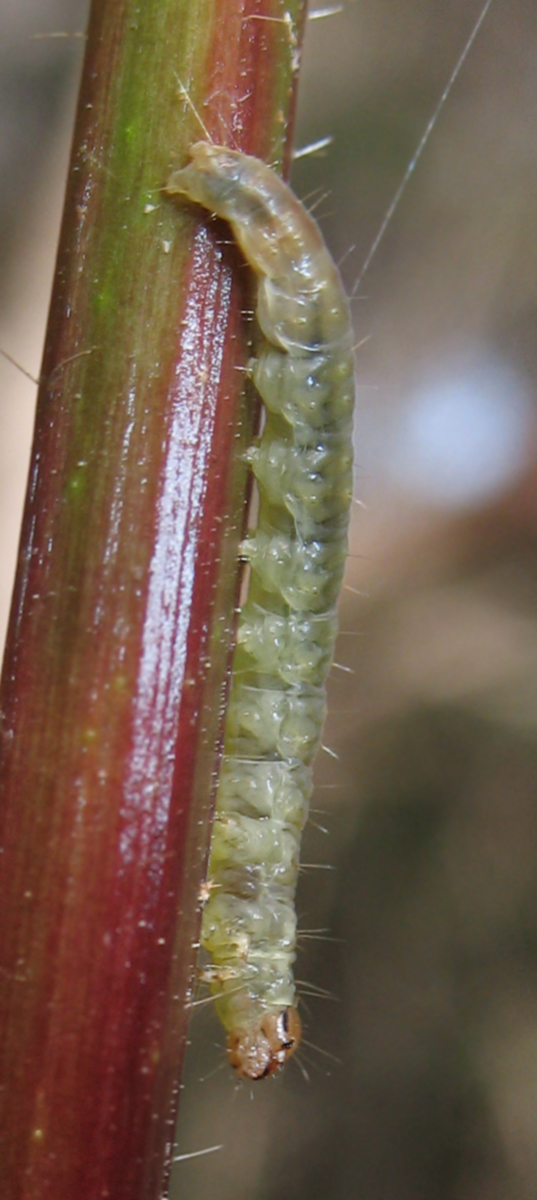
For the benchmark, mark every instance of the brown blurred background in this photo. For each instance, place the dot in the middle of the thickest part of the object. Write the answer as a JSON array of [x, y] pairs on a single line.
[[423, 1081]]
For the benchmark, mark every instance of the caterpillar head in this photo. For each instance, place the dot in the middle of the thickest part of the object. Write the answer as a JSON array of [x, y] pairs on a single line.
[[261, 1051]]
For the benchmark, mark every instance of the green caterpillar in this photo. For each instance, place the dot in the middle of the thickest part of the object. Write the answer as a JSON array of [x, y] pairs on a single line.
[[287, 626]]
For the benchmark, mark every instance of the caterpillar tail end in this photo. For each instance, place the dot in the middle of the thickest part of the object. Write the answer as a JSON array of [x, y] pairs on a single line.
[[209, 179], [259, 1052]]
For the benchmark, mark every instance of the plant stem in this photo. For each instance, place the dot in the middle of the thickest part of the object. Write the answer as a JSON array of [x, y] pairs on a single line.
[[119, 643]]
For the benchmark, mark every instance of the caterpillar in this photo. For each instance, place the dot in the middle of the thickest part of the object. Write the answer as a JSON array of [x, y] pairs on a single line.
[[302, 462]]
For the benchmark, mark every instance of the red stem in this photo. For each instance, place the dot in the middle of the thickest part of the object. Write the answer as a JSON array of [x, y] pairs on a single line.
[[116, 664]]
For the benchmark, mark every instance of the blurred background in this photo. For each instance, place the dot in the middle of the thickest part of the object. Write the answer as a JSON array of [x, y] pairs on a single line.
[[420, 1082]]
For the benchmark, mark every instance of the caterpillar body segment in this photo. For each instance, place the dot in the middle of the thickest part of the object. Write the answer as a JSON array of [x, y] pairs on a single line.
[[302, 461]]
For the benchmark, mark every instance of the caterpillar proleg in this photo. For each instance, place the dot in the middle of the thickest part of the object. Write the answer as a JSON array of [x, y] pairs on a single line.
[[287, 627]]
